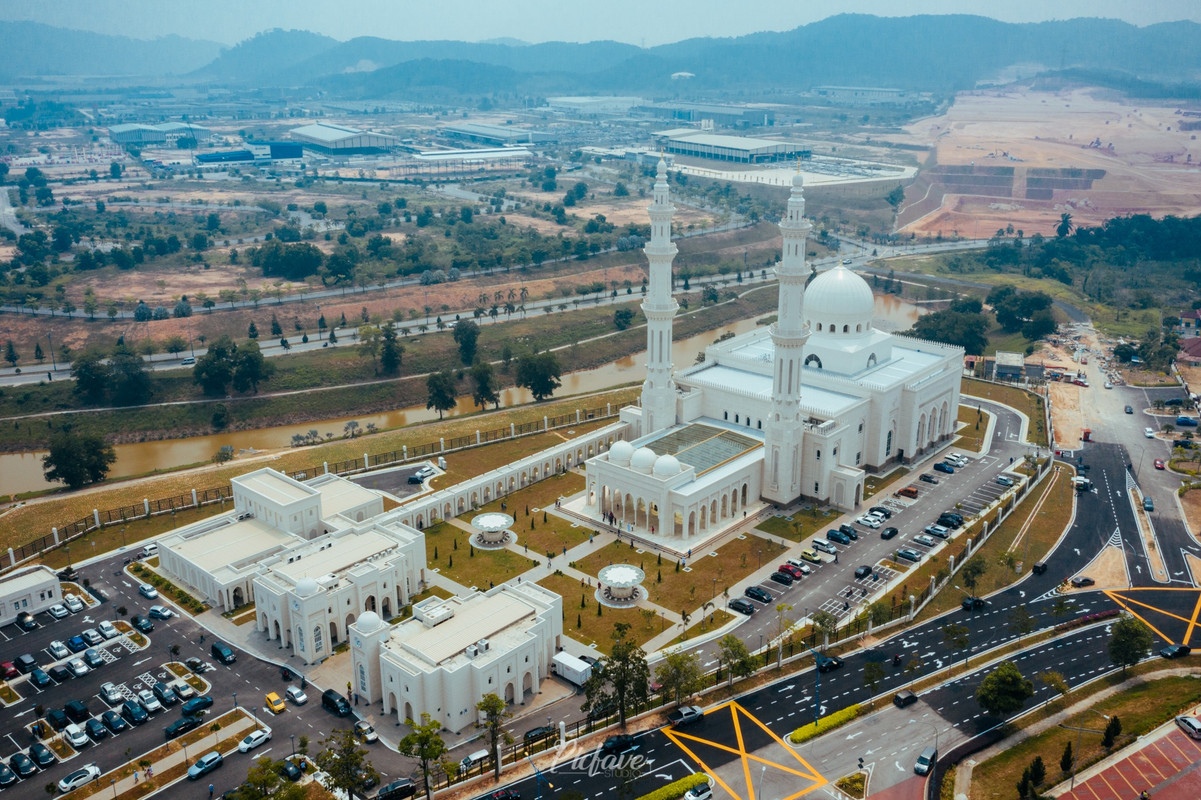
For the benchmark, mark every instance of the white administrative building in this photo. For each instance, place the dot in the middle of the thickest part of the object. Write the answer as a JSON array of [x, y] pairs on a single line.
[[454, 651], [28, 591], [800, 410]]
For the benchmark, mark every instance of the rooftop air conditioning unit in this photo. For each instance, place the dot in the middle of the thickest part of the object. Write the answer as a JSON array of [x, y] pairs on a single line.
[[472, 651], [482, 644]]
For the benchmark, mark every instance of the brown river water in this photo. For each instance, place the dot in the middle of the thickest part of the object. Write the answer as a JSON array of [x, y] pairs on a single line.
[[22, 472]]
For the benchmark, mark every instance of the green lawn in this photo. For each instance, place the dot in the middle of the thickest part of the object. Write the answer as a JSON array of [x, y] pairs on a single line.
[[549, 534], [1028, 403], [580, 619], [972, 436], [800, 525], [448, 549]]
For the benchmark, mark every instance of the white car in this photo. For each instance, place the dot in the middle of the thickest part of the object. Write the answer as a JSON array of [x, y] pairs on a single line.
[[58, 649], [426, 472], [75, 736], [78, 778], [702, 791], [108, 630], [870, 521], [111, 694], [1149, 433], [365, 732], [296, 696], [78, 668], [73, 603], [254, 740], [149, 701], [59, 611]]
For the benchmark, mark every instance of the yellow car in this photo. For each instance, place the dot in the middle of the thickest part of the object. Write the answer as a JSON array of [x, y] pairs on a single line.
[[810, 555], [275, 703]]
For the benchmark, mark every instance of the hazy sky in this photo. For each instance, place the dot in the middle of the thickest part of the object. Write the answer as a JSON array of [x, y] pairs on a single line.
[[634, 21]]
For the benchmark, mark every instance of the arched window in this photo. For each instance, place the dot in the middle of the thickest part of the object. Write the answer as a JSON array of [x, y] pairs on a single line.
[[888, 445], [846, 328], [812, 360], [819, 326], [300, 639], [317, 642], [858, 329], [871, 360]]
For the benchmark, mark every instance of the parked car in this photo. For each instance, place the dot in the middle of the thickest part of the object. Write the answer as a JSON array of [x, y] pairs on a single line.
[[297, 696], [7, 776], [292, 772], [888, 533], [60, 673], [757, 593], [1176, 651], [58, 649], [78, 778], [58, 611], [685, 715], [908, 554], [742, 606], [1190, 725], [838, 537], [798, 564], [78, 668], [782, 578], [702, 791], [795, 572], [254, 739], [22, 765], [57, 718], [141, 623], [149, 701], [92, 637], [26, 622], [165, 694], [944, 468], [77, 710], [204, 765], [196, 705], [160, 612], [114, 721], [133, 712], [1080, 581], [183, 691], [110, 694], [42, 755], [925, 540], [941, 531], [181, 726], [928, 478], [95, 729], [1005, 480], [75, 736], [73, 603], [862, 571], [76, 644], [364, 731], [869, 521], [39, 678], [148, 591], [108, 630], [811, 556], [880, 511]]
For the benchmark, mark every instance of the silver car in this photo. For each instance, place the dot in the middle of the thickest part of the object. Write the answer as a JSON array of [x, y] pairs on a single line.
[[149, 701], [58, 649]]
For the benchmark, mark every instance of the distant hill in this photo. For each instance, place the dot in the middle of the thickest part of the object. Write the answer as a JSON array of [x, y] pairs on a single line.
[[34, 50], [927, 53]]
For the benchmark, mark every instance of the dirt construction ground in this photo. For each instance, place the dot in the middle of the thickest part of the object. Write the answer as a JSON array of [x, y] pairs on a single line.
[[1150, 167]]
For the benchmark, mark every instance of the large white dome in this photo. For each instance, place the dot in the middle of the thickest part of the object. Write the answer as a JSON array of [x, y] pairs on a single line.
[[368, 621], [643, 460], [839, 302], [667, 465], [620, 452], [306, 587]]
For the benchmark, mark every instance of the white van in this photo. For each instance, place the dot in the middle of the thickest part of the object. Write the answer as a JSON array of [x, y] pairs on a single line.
[[472, 761], [150, 550], [824, 546]]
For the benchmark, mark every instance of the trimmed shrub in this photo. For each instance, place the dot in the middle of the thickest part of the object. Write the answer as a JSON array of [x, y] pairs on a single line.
[[677, 788], [826, 723]]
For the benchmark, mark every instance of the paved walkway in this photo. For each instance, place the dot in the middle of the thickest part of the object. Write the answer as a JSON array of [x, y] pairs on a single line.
[[125, 778]]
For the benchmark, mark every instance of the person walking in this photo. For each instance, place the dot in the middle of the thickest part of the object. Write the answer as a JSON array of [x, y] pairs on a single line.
[[212, 789]]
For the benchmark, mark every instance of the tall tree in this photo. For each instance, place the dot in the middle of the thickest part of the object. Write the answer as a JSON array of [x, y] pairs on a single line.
[[1129, 642], [1004, 690], [1065, 225], [737, 658], [539, 373], [346, 764], [250, 367], [972, 570], [130, 383], [623, 679], [10, 353], [679, 673], [262, 779], [78, 459], [425, 744], [466, 335], [91, 375], [441, 392], [483, 381], [215, 369], [494, 712], [391, 351]]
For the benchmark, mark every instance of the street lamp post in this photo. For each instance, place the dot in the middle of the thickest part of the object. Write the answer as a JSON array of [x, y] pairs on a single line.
[[1079, 732], [235, 699], [817, 683], [293, 738]]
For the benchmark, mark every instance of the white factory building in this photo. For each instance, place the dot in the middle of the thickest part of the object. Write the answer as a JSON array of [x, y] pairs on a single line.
[[28, 591], [454, 651], [800, 409], [336, 139], [312, 557]]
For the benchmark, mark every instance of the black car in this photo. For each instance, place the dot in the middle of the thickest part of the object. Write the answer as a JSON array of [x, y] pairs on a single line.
[[848, 530], [973, 603], [366, 779], [538, 734], [829, 663], [165, 694], [862, 571], [291, 771], [944, 468], [928, 478], [95, 729], [417, 479], [26, 622], [742, 606], [181, 726], [113, 721], [757, 593], [618, 745], [888, 533], [782, 578], [77, 710], [7, 776], [57, 718], [22, 765], [39, 678], [60, 673], [950, 521], [1175, 651], [1129, 410], [880, 511], [839, 537], [41, 755], [1081, 581], [142, 624], [133, 712]]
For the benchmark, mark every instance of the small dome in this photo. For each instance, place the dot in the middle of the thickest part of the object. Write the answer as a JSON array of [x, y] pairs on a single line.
[[667, 465], [368, 622], [620, 452], [307, 587], [839, 298], [643, 459]]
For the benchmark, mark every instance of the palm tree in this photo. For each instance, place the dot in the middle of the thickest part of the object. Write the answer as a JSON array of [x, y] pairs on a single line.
[[1065, 225]]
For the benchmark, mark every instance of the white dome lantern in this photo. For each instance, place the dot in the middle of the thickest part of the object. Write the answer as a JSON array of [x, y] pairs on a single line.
[[368, 622], [307, 587], [643, 460], [666, 466], [620, 453], [839, 303]]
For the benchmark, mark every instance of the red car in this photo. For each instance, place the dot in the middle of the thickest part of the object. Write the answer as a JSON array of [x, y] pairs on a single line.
[[1158, 464], [789, 569]]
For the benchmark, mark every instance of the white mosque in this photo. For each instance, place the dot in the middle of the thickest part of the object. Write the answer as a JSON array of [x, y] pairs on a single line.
[[800, 411]]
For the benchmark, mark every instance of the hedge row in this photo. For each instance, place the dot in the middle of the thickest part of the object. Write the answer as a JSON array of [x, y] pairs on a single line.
[[1087, 619], [676, 789], [182, 598], [826, 723]]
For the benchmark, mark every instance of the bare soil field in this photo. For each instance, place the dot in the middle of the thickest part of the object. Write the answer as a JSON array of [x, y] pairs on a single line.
[[1146, 160], [1065, 415]]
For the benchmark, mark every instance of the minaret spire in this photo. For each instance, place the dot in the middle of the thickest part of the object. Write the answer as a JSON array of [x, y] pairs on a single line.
[[659, 390], [784, 432]]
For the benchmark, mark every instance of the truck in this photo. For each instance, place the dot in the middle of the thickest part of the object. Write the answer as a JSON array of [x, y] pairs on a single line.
[[570, 668], [685, 715]]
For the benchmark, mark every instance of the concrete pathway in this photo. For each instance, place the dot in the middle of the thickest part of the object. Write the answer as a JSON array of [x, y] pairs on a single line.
[[130, 775]]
